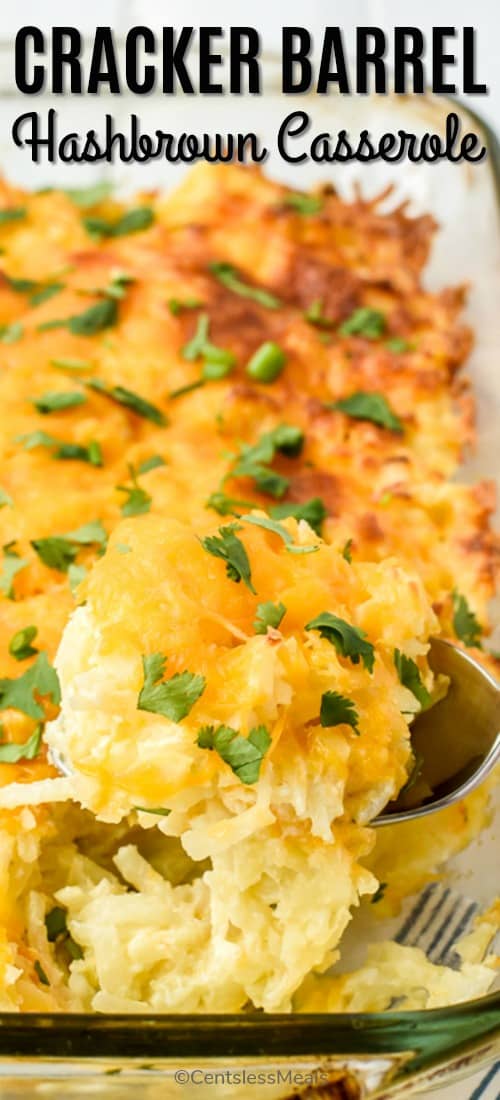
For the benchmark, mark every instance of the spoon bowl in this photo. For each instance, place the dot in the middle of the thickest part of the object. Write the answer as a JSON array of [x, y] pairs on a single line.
[[456, 742]]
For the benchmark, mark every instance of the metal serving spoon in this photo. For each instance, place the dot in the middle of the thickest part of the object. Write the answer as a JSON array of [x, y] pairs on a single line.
[[456, 742]]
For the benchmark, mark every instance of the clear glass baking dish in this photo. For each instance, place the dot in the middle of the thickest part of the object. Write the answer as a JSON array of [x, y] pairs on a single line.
[[336, 1056]]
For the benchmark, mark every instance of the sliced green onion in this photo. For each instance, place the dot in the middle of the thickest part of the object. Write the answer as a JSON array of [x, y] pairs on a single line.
[[266, 363]]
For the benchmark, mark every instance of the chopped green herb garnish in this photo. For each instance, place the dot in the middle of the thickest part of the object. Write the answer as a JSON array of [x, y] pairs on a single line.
[[59, 551], [172, 698], [227, 546], [266, 364], [39, 292], [5, 499], [138, 501], [338, 710], [40, 680], [409, 675], [278, 529], [130, 400], [369, 406], [379, 893], [178, 305], [10, 334], [92, 453], [228, 275], [96, 318], [55, 923], [183, 390], [40, 972], [14, 214], [12, 753], [465, 624], [243, 754], [20, 645], [133, 221], [312, 511], [12, 565], [349, 641], [253, 461], [268, 614], [150, 464], [217, 361], [58, 401], [45, 293], [71, 364], [398, 345], [76, 574], [314, 314], [89, 196], [228, 506], [304, 204], [346, 551], [366, 322]]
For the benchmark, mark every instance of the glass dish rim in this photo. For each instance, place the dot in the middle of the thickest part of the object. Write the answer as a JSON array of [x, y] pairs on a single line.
[[95, 1036]]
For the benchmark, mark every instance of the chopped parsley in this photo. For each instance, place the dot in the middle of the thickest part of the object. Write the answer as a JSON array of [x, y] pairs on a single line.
[[181, 391], [228, 506], [366, 322], [254, 461], [56, 401], [138, 501], [465, 624], [5, 499], [150, 464], [40, 680], [398, 345], [76, 574], [369, 406], [315, 316], [38, 291], [243, 754], [85, 197], [227, 546], [10, 334], [57, 932], [338, 710], [12, 565], [268, 614], [312, 511], [379, 893], [228, 275], [12, 214], [347, 551], [178, 305], [70, 364], [217, 362], [409, 675], [349, 641], [91, 453], [172, 698], [59, 551], [133, 221], [130, 400], [20, 645], [96, 318], [12, 753], [304, 204], [278, 529], [40, 972]]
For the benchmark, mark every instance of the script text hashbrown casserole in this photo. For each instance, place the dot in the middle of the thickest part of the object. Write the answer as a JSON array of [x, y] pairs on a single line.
[[231, 419]]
